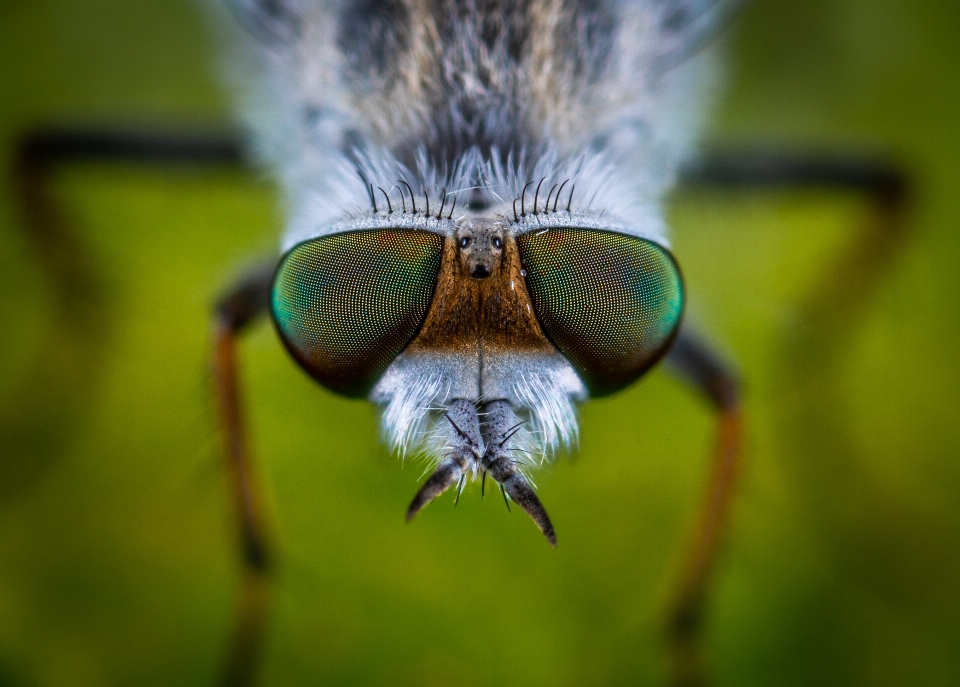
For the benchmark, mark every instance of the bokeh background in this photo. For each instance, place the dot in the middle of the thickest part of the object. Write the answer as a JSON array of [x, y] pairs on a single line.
[[117, 557]]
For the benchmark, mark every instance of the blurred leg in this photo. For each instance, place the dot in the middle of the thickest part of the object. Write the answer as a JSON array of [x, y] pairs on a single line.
[[244, 303], [40, 154], [692, 359], [68, 357], [828, 309], [66, 365], [849, 282], [757, 170], [78, 294]]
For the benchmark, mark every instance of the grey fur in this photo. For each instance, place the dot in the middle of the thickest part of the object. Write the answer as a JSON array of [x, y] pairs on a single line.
[[464, 453], [478, 97], [472, 450], [472, 100], [500, 426], [274, 22]]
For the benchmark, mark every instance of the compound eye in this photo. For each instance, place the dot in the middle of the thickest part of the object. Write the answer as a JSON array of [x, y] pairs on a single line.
[[611, 303], [347, 304]]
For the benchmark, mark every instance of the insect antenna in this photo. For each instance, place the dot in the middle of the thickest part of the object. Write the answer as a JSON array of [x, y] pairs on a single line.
[[443, 201], [536, 196], [413, 200], [523, 200], [546, 206], [558, 195], [369, 188], [389, 205]]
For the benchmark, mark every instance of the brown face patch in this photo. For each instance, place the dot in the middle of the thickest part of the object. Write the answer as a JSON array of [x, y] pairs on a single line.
[[492, 313]]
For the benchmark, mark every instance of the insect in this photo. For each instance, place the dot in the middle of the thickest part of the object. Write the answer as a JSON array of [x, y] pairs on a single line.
[[474, 238]]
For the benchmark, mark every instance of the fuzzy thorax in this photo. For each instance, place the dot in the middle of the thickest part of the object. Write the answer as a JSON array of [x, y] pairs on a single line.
[[345, 99]]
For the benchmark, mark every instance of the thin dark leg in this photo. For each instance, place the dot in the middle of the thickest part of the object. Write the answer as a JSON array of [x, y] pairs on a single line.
[[78, 302], [68, 358], [757, 170], [247, 301], [60, 253], [851, 280], [693, 360], [858, 270], [66, 364], [55, 146], [829, 309]]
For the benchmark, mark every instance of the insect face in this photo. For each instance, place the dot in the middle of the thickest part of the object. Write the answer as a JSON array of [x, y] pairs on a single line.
[[477, 334], [479, 249], [558, 125], [475, 241]]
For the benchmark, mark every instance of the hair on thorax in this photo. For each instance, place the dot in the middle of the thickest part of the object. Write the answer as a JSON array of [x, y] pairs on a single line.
[[520, 111], [472, 94]]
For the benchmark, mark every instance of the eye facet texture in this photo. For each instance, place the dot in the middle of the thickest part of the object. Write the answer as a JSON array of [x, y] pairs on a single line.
[[611, 303], [346, 305]]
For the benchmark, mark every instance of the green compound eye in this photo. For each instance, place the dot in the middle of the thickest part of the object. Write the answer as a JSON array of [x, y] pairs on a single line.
[[347, 304], [611, 303]]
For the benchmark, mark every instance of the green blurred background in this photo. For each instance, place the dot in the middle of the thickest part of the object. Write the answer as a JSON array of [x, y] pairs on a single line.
[[117, 557]]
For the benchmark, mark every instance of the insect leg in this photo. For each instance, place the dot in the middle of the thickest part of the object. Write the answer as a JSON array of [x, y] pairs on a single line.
[[827, 313], [245, 302], [854, 276], [41, 153], [78, 299], [67, 362], [70, 359], [692, 359], [771, 170]]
